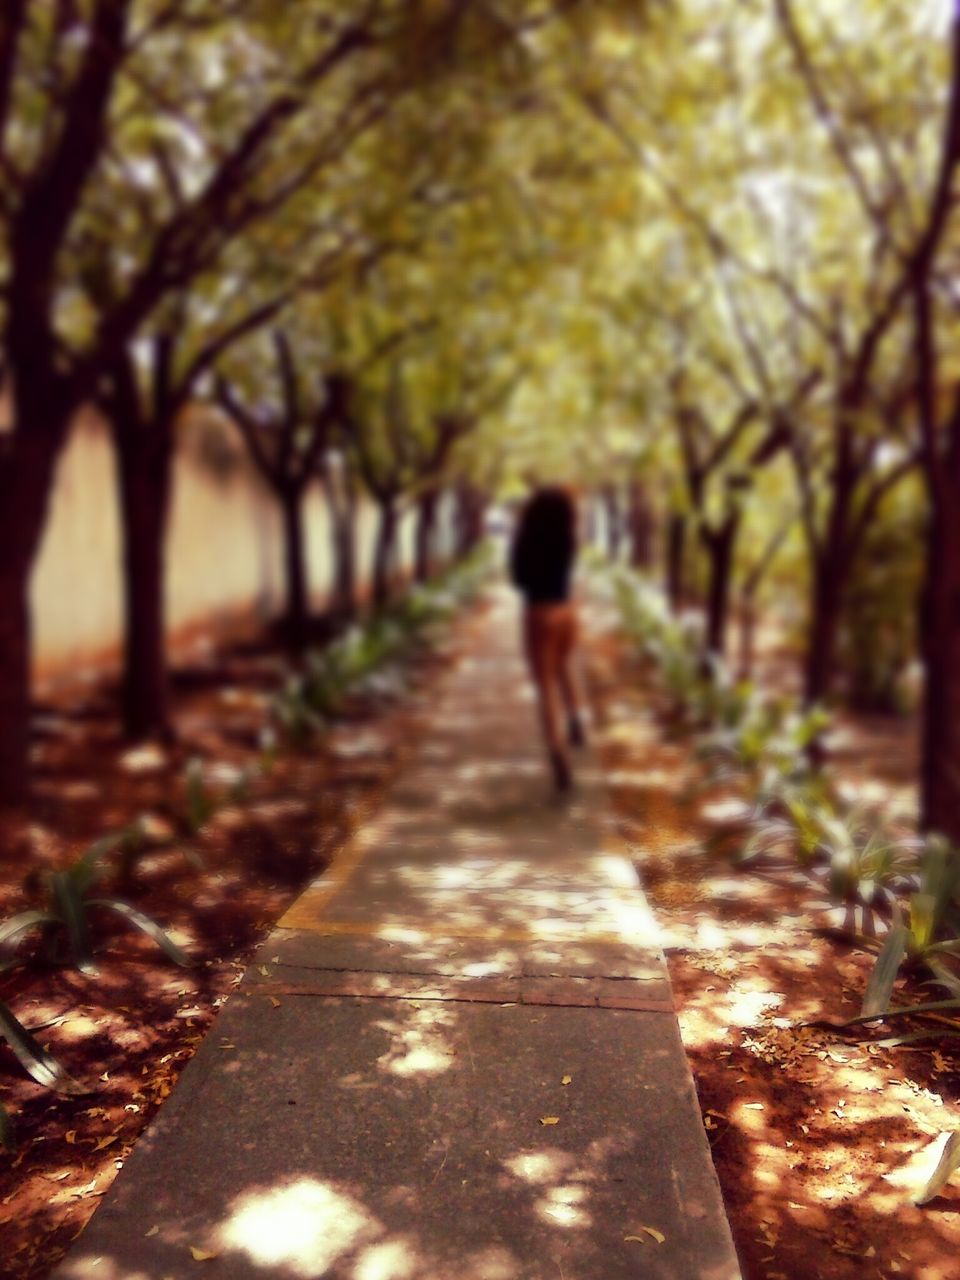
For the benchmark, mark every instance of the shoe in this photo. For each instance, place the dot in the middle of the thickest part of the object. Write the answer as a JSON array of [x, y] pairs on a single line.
[[562, 777], [575, 734]]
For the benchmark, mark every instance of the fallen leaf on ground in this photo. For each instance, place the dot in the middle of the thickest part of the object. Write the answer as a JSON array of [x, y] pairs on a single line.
[[652, 1232], [154, 1231], [203, 1255], [78, 1193], [567, 1080], [549, 1119], [106, 1142]]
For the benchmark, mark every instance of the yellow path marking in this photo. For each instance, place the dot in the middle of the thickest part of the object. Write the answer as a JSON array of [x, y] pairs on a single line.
[[340, 870]]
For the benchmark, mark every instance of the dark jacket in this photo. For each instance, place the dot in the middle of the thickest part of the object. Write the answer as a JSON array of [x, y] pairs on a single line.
[[544, 548]]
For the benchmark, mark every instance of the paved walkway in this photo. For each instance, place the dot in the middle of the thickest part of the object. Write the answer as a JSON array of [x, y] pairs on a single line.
[[455, 1058]]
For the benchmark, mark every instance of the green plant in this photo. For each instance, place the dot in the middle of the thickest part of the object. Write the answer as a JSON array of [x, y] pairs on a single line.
[[644, 611], [718, 700], [295, 719], [65, 917], [201, 804], [930, 1015], [868, 862], [7, 1139], [791, 810], [927, 933], [38, 1063], [203, 799], [768, 739], [681, 671]]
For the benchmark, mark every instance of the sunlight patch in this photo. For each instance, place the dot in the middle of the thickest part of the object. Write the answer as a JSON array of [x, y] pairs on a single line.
[[539, 1167], [393, 1260], [563, 1207], [728, 809], [146, 759], [746, 1008], [304, 1226], [420, 1047]]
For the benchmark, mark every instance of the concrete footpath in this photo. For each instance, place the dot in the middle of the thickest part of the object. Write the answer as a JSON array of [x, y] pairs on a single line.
[[455, 1058]]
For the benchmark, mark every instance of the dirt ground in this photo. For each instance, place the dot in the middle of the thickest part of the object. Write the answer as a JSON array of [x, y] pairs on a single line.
[[127, 1032], [818, 1142]]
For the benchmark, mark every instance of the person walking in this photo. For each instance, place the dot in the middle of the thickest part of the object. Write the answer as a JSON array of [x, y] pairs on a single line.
[[542, 557]]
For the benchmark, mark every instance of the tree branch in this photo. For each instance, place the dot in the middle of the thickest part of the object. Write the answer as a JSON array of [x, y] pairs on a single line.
[[875, 495], [249, 429], [12, 20], [827, 117], [52, 194], [248, 323], [287, 373]]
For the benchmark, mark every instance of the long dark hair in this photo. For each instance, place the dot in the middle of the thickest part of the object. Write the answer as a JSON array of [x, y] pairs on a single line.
[[549, 518], [544, 548]]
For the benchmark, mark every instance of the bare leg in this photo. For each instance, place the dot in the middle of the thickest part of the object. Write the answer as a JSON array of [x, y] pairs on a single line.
[[568, 686], [543, 655]]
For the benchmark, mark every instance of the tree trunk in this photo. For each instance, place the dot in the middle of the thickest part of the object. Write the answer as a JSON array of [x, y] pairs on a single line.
[[830, 562], [676, 551], [27, 468], [15, 642], [641, 527], [829, 580], [342, 508], [611, 508], [471, 507], [343, 532], [940, 646], [347, 559], [426, 534], [384, 553], [144, 452], [748, 628], [297, 610], [719, 545]]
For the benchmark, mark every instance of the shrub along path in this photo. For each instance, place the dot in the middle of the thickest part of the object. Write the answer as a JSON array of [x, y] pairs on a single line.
[[457, 1055]]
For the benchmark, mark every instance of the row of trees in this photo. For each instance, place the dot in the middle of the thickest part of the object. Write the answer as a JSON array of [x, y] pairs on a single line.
[[180, 176]]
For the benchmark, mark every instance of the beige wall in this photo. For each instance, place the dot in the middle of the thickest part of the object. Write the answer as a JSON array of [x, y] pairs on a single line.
[[224, 558]]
